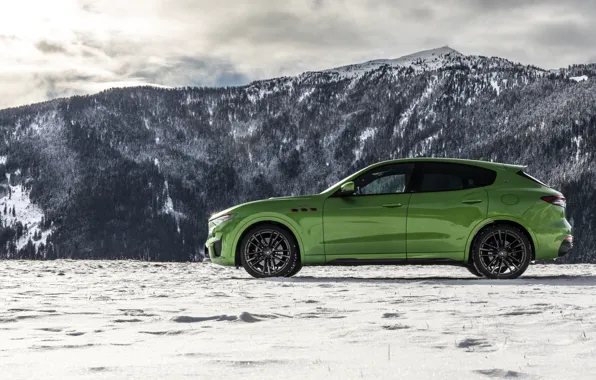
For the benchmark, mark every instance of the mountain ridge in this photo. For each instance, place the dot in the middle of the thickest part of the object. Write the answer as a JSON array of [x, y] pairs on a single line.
[[442, 52]]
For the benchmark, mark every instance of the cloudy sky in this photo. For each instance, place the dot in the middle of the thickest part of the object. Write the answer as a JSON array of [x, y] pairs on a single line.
[[57, 48]]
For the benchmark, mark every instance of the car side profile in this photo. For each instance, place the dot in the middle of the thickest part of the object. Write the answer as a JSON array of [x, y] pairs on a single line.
[[492, 218]]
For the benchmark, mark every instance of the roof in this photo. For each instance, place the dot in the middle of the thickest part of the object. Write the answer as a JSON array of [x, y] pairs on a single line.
[[485, 164]]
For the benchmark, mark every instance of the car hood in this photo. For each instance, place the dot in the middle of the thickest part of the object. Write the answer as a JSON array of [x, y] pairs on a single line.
[[235, 209]]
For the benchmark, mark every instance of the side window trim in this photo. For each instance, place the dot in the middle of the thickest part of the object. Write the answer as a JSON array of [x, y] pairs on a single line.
[[416, 180]]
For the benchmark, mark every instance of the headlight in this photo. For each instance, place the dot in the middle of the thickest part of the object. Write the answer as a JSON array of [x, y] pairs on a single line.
[[217, 221]]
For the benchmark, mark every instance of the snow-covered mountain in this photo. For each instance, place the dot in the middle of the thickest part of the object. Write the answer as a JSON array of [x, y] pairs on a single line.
[[425, 60], [135, 172]]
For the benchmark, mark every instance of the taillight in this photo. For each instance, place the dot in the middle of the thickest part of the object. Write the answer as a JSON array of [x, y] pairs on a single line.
[[555, 200]]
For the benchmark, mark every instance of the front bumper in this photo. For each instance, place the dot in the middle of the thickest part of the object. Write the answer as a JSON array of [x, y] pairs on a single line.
[[218, 250]]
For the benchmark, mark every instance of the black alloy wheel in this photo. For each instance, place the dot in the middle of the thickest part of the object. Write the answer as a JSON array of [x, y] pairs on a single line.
[[269, 251], [501, 252]]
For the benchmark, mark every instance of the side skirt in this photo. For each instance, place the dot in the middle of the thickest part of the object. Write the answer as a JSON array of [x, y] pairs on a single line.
[[356, 262]]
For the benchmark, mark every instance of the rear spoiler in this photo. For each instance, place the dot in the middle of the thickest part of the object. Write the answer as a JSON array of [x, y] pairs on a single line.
[[514, 168]]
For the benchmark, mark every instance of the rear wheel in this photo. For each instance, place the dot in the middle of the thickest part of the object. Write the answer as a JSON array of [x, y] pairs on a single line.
[[472, 269], [501, 252], [269, 251]]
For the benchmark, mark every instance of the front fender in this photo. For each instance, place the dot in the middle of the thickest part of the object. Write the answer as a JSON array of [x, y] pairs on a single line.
[[267, 217]]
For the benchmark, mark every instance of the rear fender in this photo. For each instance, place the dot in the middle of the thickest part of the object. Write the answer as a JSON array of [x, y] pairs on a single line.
[[488, 221]]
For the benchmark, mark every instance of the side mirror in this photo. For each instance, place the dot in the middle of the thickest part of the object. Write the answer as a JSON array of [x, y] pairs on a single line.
[[347, 188]]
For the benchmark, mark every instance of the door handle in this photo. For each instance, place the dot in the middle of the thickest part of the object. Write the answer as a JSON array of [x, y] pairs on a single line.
[[472, 201], [392, 205]]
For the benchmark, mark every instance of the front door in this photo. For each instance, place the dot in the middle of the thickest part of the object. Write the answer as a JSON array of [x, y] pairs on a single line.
[[369, 224], [447, 202]]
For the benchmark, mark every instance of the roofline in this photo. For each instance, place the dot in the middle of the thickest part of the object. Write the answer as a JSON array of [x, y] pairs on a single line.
[[487, 164], [484, 164]]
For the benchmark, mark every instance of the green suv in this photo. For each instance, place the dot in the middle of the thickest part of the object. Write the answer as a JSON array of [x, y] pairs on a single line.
[[491, 218]]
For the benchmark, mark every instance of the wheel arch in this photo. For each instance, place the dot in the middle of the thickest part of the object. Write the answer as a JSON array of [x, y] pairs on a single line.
[[246, 227], [491, 222]]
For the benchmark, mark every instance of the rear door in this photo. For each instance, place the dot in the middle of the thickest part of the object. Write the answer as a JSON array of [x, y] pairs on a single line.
[[448, 201]]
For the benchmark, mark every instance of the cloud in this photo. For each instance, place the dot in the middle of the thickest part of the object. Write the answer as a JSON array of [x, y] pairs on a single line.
[[188, 71], [282, 28], [67, 47], [566, 34], [48, 47], [422, 13]]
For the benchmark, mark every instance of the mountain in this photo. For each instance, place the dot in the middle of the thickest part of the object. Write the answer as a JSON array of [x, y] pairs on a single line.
[[421, 61], [135, 172]]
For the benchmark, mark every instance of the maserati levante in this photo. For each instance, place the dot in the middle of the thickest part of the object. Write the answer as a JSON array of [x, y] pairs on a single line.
[[491, 218]]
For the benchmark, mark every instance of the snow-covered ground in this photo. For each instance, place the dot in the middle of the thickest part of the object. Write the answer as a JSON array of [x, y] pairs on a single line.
[[99, 320]]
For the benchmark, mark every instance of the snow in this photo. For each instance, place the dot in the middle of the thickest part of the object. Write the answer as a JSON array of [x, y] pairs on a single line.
[[26, 212], [243, 130], [495, 86], [580, 78], [168, 207], [577, 140], [3, 160], [426, 60], [425, 96], [306, 94], [365, 135], [138, 320]]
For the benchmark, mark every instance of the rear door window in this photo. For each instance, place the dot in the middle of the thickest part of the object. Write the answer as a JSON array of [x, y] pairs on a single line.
[[439, 176]]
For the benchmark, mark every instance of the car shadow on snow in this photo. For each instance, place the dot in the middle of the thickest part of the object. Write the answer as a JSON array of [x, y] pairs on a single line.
[[555, 280]]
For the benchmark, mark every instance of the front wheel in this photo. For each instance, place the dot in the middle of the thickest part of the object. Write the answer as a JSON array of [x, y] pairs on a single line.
[[501, 252], [296, 269], [269, 251]]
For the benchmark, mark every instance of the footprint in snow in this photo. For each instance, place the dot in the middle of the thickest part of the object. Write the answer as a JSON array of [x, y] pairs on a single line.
[[521, 312], [500, 373], [249, 318], [472, 344], [188, 319], [98, 369], [398, 326], [173, 332], [244, 317]]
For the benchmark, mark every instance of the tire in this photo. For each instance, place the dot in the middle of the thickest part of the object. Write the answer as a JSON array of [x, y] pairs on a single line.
[[296, 269], [501, 251], [268, 251], [472, 269]]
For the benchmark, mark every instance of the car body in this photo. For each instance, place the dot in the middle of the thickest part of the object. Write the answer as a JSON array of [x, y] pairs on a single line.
[[408, 211]]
